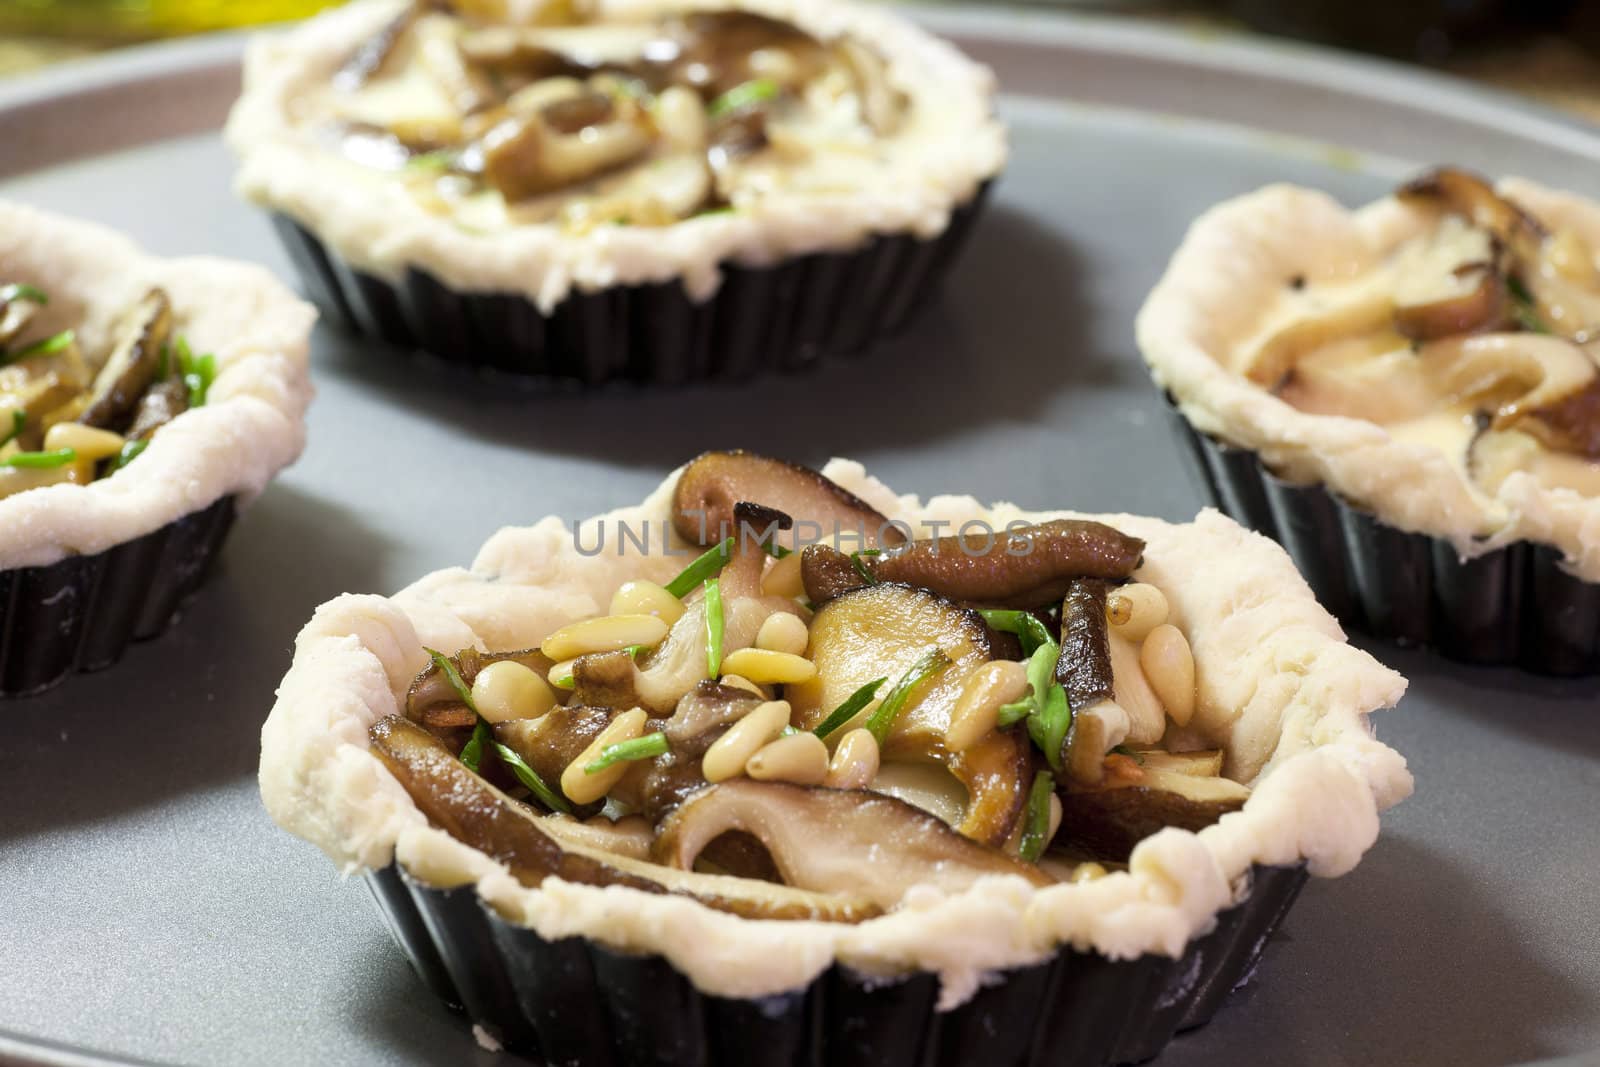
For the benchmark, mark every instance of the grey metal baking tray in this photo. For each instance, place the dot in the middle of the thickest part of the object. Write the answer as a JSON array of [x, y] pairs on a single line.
[[149, 911]]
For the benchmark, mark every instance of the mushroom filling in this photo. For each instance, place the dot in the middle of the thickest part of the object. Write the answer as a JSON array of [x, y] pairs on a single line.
[[1476, 337], [71, 415], [585, 121], [780, 744]]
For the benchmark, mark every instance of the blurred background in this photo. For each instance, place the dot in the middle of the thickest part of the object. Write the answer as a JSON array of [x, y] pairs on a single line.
[[1548, 49]]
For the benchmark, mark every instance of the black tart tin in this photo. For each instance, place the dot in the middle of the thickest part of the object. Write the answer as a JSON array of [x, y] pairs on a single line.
[[577, 1002], [1514, 605], [780, 317], [82, 612]]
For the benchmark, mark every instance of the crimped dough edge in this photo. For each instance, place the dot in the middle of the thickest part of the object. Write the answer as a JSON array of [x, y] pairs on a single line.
[[379, 227], [1238, 255], [1262, 646], [252, 425]]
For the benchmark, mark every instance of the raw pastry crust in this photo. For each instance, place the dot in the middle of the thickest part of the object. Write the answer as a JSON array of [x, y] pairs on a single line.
[[252, 426], [1278, 686], [1234, 262], [379, 227]]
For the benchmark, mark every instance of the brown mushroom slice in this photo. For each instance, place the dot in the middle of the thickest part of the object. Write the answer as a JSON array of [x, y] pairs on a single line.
[[1268, 364], [1202, 763], [1474, 199], [827, 573], [431, 688], [1084, 666], [551, 742], [477, 814], [161, 403], [880, 632], [715, 51], [545, 142], [18, 305], [1526, 377], [369, 59], [521, 51], [1020, 568], [1452, 283], [1107, 822], [134, 363], [1570, 424], [468, 89], [713, 482], [629, 837], [836, 841]]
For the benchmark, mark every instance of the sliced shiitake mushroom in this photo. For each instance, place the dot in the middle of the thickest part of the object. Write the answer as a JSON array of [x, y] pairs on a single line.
[[1021, 567], [715, 51], [370, 57], [475, 813], [713, 482], [524, 155], [18, 306], [881, 631], [556, 738], [828, 573], [836, 841], [1107, 821], [431, 688], [161, 403], [1454, 283], [1474, 199], [1570, 424], [134, 363]]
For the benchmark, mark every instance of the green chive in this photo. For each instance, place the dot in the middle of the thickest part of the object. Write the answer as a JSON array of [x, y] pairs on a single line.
[[440, 160], [1036, 827], [1011, 714], [882, 721], [131, 451], [1524, 308], [1025, 624], [198, 373], [850, 708], [776, 551], [647, 747], [41, 461], [861, 568], [712, 212], [705, 565], [742, 96], [47, 347], [22, 291], [714, 625], [527, 775], [1052, 713], [453, 676], [18, 421], [472, 751]]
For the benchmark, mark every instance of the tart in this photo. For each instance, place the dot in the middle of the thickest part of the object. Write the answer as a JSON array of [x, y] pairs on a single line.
[[1408, 397], [698, 782], [142, 402], [659, 190]]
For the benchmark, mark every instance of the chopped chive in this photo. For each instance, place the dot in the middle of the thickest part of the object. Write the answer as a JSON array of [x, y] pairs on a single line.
[[777, 551], [198, 372], [705, 565], [1052, 712], [23, 291], [742, 96], [711, 212], [453, 676], [439, 160], [1011, 714], [861, 568], [850, 708], [18, 421], [131, 450], [1025, 624], [647, 747], [41, 461], [1036, 827], [472, 751], [1524, 308], [527, 775], [882, 721], [47, 347], [714, 626]]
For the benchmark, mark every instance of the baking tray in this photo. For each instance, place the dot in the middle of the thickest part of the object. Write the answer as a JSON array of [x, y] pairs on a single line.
[[150, 912]]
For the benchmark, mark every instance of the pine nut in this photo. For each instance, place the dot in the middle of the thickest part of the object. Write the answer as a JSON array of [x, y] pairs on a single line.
[[800, 758], [560, 674], [605, 634], [729, 753], [639, 597], [855, 761], [737, 681], [89, 442], [1088, 872], [584, 788], [782, 632], [765, 667], [508, 690], [982, 694], [1169, 668], [1135, 609], [783, 578]]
